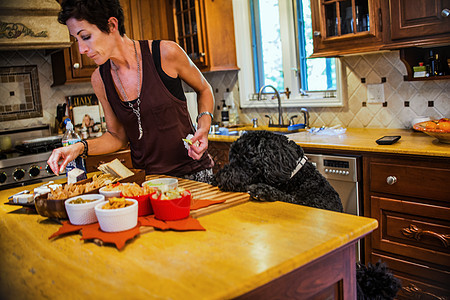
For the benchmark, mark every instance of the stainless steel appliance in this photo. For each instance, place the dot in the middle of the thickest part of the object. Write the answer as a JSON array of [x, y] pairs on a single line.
[[342, 173], [26, 162]]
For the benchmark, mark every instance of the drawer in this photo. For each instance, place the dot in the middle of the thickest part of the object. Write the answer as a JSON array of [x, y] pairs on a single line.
[[414, 230], [413, 181], [92, 162], [418, 281]]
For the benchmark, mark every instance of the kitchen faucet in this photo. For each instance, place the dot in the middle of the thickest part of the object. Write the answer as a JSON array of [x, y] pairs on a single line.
[[280, 115], [305, 113]]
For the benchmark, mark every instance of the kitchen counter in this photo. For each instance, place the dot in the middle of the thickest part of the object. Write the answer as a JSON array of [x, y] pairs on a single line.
[[243, 248], [363, 139]]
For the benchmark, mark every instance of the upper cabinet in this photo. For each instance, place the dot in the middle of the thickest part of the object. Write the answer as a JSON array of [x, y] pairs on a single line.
[[346, 26], [205, 30], [356, 26], [418, 23], [143, 20]]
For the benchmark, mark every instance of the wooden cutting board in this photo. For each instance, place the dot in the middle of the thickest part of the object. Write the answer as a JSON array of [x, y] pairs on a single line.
[[200, 190]]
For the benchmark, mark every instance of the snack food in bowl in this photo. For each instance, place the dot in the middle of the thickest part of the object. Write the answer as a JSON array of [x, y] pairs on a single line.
[[171, 205], [142, 195], [111, 190], [117, 214], [162, 184], [80, 209], [439, 129]]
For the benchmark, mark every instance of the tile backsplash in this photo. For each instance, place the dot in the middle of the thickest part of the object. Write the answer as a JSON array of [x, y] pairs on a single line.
[[403, 100]]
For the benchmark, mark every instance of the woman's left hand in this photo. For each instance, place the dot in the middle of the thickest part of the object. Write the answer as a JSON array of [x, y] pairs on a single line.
[[199, 144]]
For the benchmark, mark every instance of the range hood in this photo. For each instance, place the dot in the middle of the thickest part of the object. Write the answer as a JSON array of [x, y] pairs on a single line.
[[31, 24]]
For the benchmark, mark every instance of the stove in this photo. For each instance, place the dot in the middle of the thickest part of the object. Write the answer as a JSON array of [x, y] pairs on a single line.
[[26, 163], [21, 170]]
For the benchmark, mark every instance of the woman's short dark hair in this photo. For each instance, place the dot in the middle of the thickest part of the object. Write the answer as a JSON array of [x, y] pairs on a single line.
[[96, 12]]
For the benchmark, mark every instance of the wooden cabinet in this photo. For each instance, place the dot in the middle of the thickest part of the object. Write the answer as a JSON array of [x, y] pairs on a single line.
[[143, 20], [205, 30], [409, 198], [219, 153], [346, 27], [418, 23], [93, 161]]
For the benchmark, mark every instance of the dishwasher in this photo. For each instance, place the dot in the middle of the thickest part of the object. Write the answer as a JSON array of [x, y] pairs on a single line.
[[342, 173]]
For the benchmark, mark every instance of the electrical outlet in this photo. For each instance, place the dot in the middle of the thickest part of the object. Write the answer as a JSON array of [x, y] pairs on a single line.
[[228, 96], [375, 93]]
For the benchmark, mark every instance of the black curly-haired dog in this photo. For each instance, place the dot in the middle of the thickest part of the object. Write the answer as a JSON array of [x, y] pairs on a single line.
[[270, 167], [263, 163]]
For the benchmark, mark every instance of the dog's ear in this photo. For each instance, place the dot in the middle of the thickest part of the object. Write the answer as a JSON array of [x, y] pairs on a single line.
[[281, 156], [233, 178]]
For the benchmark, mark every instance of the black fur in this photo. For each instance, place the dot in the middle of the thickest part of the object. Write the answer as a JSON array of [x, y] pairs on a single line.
[[376, 282], [261, 163]]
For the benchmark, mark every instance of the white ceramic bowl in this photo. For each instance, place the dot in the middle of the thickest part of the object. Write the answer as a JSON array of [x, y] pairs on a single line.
[[83, 213], [163, 184], [120, 219], [109, 194]]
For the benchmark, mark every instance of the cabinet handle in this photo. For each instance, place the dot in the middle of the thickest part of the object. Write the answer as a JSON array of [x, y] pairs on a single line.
[[100, 163], [316, 33], [202, 54], [416, 233], [391, 180], [380, 19], [122, 160], [415, 292], [76, 65], [445, 12]]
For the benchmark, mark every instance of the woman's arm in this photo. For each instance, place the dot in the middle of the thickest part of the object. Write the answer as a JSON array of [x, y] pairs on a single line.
[[112, 140], [175, 62]]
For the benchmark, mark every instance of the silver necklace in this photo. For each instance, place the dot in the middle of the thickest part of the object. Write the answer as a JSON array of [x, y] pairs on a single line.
[[137, 111]]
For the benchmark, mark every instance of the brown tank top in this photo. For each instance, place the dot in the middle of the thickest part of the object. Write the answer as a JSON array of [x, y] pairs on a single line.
[[165, 121]]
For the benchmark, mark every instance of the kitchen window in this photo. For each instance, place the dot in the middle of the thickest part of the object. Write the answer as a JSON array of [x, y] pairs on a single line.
[[274, 40]]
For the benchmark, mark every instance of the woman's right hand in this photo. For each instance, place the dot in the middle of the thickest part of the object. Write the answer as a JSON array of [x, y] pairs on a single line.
[[65, 154]]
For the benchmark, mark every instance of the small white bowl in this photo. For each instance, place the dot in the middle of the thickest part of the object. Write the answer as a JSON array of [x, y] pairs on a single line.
[[119, 219], [83, 213], [163, 184], [109, 194]]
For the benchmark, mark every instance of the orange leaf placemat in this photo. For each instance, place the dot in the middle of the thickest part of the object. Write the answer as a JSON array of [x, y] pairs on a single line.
[[93, 231], [117, 238], [201, 203], [180, 225]]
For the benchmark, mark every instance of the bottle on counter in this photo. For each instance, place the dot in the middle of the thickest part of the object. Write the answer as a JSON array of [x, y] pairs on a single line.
[[70, 137], [234, 115], [225, 114]]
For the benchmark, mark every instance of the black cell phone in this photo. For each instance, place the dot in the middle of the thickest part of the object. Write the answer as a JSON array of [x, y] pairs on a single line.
[[388, 139]]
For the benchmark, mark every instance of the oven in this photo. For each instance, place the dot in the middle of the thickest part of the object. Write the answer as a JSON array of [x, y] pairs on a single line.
[[342, 173], [26, 161]]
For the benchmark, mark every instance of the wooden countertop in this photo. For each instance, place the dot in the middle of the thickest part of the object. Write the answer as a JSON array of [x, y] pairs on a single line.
[[363, 139], [243, 247]]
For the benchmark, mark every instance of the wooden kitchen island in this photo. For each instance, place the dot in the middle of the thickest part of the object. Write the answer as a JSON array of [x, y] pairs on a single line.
[[247, 250]]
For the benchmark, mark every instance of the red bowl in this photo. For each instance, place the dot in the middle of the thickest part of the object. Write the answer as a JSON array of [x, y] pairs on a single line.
[[170, 210], [144, 204]]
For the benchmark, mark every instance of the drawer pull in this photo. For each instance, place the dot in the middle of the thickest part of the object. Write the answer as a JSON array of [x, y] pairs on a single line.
[[391, 180], [416, 293], [416, 233]]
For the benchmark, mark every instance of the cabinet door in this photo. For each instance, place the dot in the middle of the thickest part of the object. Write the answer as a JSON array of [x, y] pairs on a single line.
[[205, 30], [418, 18], [189, 30], [81, 65], [346, 26]]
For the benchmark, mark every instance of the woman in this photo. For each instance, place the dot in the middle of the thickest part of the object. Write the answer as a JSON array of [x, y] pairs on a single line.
[[138, 84]]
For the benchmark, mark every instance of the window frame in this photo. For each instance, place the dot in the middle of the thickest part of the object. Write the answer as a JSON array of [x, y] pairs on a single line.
[[244, 53]]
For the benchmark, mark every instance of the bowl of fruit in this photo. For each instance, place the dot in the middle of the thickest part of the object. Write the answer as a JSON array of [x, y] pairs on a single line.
[[439, 129]]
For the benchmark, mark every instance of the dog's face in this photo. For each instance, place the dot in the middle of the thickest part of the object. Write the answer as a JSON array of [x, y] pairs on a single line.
[[259, 157]]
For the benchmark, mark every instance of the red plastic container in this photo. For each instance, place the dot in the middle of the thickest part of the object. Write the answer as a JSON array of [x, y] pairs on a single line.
[[170, 210], [144, 204]]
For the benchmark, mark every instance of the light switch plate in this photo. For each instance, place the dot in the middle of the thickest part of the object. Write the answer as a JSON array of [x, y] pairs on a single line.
[[375, 93]]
